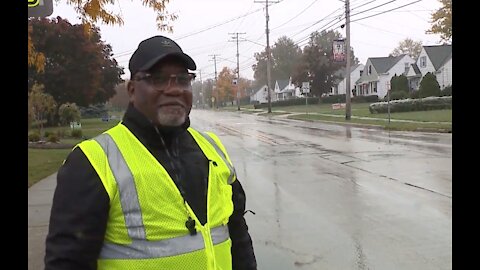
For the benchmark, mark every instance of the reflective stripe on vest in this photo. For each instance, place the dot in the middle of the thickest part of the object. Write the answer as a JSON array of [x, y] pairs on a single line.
[[222, 155], [126, 187], [141, 248]]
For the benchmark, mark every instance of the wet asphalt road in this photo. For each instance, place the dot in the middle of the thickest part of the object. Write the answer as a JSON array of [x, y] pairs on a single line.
[[336, 197]]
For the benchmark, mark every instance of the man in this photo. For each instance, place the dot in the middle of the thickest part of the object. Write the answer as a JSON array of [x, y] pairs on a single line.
[[151, 192]]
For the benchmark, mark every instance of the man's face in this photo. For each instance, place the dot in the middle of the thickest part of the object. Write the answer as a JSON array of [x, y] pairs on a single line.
[[164, 101]]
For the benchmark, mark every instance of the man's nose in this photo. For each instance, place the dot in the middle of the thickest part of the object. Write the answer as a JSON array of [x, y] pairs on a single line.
[[173, 88]]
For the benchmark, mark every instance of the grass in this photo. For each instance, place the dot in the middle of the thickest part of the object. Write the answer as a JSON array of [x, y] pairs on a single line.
[[45, 162], [324, 112]]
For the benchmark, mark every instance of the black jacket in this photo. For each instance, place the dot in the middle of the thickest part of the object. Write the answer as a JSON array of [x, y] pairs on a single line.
[[81, 204]]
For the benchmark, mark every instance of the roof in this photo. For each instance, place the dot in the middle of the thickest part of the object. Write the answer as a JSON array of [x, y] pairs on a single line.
[[438, 54], [341, 72], [282, 84], [384, 64], [416, 69]]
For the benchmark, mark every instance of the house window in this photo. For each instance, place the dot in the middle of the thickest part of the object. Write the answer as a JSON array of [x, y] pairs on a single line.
[[361, 72], [423, 61], [369, 70]]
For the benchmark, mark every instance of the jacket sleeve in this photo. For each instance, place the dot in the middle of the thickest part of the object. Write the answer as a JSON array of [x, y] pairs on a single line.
[[243, 256], [78, 216]]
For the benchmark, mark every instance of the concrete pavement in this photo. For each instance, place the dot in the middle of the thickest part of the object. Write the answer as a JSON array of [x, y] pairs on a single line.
[[40, 198]]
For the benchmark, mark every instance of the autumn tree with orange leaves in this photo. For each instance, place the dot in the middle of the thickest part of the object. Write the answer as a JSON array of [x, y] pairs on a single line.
[[91, 12]]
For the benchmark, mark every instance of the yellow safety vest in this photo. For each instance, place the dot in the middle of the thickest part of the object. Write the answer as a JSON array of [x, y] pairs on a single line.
[[146, 224]]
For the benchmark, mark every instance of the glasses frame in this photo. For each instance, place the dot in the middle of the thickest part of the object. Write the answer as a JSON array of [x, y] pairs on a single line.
[[149, 78]]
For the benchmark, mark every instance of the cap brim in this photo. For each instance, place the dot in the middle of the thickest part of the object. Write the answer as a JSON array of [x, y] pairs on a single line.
[[188, 61]]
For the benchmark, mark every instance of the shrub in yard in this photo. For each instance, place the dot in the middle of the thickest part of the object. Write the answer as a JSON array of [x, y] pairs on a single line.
[[61, 133], [447, 91], [414, 94], [69, 112], [34, 137], [429, 86], [76, 133], [52, 137], [396, 95]]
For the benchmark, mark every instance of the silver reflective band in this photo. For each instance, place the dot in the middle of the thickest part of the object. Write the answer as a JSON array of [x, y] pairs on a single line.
[[126, 187], [143, 249], [222, 155]]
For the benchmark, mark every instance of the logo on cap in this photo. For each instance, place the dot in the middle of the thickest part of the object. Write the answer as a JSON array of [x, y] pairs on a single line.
[[166, 43]]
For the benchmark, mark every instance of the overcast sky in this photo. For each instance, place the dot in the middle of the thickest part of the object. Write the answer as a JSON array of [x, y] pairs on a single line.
[[204, 27]]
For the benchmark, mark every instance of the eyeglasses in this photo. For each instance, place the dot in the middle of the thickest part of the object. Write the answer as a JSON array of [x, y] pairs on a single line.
[[164, 81]]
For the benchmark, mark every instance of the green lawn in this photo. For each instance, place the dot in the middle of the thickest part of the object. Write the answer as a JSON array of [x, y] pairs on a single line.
[[324, 112], [44, 162]]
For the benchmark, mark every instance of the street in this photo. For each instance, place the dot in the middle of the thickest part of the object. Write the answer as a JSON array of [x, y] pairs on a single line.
[[337, 197]]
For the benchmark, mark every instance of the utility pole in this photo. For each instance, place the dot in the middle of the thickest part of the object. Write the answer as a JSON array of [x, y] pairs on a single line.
[[238, 70], [348, 107], [267, 31], [215, 86]]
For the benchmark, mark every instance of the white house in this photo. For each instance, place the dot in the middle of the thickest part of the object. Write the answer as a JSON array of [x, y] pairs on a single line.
[[436, 60], [261, 95], [341, 84], [284, 89], [377, 73]]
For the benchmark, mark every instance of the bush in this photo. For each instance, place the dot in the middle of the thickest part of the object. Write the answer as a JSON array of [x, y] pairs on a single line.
[[397, 95], [76, 133], [414, 94], [408, 105], [288, 102], [61, 133], [53, 138], [365, 99], [333, 99], [447, 91], [429, 86], [34, 137], [69, 112]]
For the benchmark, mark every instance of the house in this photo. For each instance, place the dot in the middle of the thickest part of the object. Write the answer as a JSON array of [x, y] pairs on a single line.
[[378, 71], [261, 95], [436, 60], [284, 89], [340, 85]]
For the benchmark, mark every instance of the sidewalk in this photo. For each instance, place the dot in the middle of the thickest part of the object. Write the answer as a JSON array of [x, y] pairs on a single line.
[[40, 198]]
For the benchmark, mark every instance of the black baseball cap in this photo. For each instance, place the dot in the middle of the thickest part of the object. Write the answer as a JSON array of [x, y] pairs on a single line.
[[154, 49]]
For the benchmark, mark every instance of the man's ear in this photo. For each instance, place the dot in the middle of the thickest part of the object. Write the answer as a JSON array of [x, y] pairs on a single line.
[[130, 90]]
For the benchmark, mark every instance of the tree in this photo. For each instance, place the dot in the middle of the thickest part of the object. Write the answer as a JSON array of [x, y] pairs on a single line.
[[408, 46], [120, 100], [429, 86], [69, 112], [79, 67], [225, 87], [92, 11], [442, 21], [40, 106], [317, 64], [286, 56]]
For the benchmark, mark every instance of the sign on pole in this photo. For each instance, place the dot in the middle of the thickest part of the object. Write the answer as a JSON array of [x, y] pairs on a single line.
[[339, 50], [305, 87], [40, 8]]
